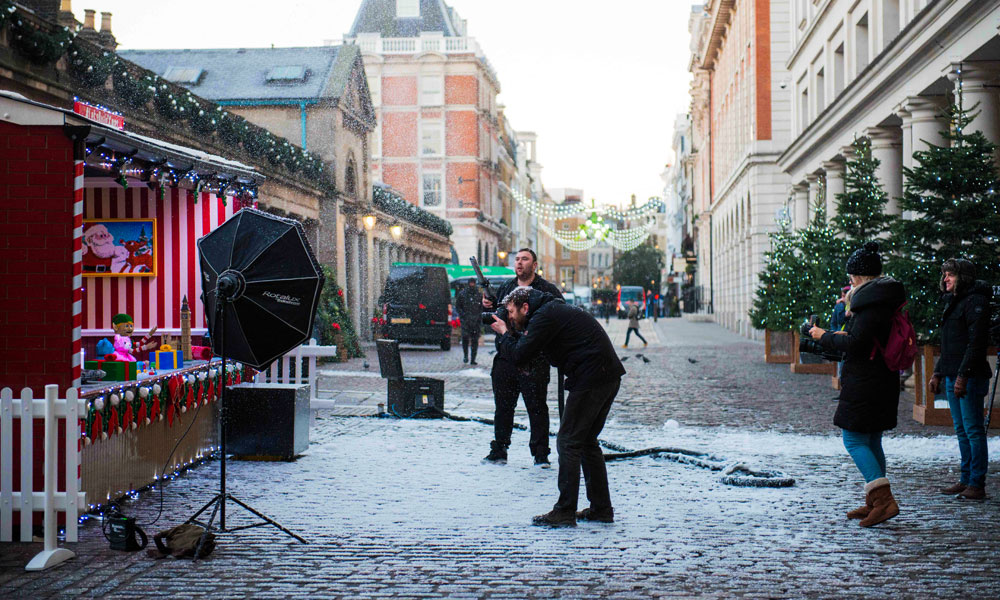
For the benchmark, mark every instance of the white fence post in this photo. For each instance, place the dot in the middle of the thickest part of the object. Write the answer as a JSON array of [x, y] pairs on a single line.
[[27, 460], [52, 554], [6, 464]]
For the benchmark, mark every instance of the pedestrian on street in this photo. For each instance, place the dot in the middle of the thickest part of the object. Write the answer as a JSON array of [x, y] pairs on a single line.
[[573, 341], [633, 324], [469, 302], [964, 370], [530, 380], [838, 321], [869, 390]]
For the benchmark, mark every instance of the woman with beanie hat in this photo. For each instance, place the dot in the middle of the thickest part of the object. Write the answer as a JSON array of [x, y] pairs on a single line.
[[964, 370], [869, 392]]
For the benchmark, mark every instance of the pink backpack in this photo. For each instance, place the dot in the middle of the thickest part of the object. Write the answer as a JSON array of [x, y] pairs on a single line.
[[901, 346]]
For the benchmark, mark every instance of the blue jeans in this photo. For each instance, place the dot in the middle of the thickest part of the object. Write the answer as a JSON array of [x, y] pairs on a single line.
[[866, 450], [967, 415]]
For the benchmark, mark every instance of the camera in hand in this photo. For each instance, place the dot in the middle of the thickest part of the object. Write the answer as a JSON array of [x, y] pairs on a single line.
[[488, 317], [811, 346], [488, 293]]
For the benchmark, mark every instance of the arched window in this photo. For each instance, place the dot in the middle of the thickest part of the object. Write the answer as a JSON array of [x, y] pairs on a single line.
[[351, 179]]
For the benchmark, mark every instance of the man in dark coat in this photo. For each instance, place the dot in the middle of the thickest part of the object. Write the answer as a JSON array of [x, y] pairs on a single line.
[[469, 303], [964, 370], [869, 390], [530, 380], [572, 340]]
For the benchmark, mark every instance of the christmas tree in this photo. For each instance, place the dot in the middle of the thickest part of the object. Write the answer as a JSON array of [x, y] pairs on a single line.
[[779, 300], [823, 255], [332, 318], [952, 192], [861, 207]]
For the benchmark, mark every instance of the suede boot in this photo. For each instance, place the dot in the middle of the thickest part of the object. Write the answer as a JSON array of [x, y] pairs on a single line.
[[884, 506], [862, 511], [951, 490]]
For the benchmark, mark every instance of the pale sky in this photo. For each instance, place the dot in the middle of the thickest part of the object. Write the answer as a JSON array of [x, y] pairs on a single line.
[[600, 86]]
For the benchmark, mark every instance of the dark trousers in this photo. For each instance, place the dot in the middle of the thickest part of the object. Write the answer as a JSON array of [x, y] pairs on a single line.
[[508, 383], [470, 338], [582, 421], [628, 334]]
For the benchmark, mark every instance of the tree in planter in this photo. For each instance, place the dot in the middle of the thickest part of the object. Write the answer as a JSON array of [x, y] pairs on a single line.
[[861, 207], [823, 255], [333, 319], [782, 293], [953, 190]]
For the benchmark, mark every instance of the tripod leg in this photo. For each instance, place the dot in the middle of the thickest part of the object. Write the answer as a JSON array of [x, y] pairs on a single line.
[[219, 501], [265, 518]]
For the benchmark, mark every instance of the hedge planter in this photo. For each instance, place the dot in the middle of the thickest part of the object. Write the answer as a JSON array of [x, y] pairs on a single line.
[[819, 367], [778, 347], [925, 409]]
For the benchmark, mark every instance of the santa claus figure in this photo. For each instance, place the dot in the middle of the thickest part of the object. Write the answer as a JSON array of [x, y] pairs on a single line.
[[124, 326], [100, 254]]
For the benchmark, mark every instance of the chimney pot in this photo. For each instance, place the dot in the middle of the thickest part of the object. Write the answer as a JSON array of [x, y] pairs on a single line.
[[88, 18], [65, 6], [105, 22]]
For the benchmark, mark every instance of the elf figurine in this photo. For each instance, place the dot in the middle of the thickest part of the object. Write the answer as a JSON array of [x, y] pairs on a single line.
[[124, 326]]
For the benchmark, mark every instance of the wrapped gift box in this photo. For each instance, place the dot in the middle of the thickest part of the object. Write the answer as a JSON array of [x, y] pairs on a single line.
[[116, 370], [166, 358]]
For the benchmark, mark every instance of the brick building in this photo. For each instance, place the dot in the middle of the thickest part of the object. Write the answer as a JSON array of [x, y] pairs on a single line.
[[438, 136]]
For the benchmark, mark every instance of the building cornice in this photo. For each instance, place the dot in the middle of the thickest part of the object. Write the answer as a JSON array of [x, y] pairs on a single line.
[[717, 32]]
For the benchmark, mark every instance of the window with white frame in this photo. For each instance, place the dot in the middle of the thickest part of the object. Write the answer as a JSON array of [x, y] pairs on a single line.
[[431, 90], [432, 190], [431, 138], [407, 9], [566, 253]]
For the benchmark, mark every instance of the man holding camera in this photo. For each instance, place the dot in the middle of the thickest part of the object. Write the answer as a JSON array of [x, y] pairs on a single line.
[[572, 340], [530, 380]]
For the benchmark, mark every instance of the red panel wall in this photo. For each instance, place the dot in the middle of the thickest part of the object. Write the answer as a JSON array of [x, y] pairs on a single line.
[[399, 91], [461, 137], [36, 257], [461, 89], [403, 178], [399, 134]]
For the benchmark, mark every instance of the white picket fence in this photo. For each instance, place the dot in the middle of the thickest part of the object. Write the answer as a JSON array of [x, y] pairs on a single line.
[[290, 371], [71, 500]]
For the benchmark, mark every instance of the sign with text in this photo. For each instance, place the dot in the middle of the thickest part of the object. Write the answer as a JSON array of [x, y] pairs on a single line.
[[99, 115]]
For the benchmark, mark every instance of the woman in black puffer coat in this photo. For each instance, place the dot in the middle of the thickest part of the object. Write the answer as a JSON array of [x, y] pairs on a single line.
[[869, 394]]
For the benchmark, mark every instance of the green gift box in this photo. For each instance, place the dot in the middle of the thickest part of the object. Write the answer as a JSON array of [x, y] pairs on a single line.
[[118, 370]]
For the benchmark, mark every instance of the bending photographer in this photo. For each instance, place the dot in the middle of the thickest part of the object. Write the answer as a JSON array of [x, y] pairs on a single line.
[[573, 341], [964, 370], [869, 389], [531, 380]]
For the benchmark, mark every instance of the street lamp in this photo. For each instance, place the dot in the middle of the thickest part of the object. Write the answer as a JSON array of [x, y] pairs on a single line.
[[396, 231], [502, 254], [369, 221]]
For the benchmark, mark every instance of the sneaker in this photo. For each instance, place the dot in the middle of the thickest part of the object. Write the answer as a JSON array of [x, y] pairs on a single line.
[[542, 462], [473, 363], [951, 490], [973, 493], [603, 516], [497, 455], [555, 518], [466, 359]]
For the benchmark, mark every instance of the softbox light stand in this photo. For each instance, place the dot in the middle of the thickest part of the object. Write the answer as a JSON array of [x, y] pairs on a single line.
[[226, 287], [261, 285]]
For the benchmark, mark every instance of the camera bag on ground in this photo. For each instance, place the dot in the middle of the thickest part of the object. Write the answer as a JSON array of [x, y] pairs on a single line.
[[901, 346], [182, 541]]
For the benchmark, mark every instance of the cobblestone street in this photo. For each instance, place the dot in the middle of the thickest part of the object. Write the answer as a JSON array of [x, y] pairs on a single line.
[[405, 508]]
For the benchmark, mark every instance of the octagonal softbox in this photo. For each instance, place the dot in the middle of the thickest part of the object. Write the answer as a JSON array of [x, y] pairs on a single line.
[[266, 268]]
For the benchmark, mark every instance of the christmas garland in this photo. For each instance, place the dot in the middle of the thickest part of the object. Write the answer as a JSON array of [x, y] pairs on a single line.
[[139, 404], [394, 205], [334, 321]]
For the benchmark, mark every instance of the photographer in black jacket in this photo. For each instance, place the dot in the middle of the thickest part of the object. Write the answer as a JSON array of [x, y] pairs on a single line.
[[530, 380], [964, 370], [572, 340]]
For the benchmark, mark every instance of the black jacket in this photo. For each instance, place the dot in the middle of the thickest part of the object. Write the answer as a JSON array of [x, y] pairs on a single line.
[[869, 390], [570, 338], [539, 367], [469, 303], [965, 333]]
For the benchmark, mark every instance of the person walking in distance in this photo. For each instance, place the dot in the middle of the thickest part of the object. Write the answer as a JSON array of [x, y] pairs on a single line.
[[869, 389], [469, 301], [964, 370], [572, 340], [633, 324], [530, 380]]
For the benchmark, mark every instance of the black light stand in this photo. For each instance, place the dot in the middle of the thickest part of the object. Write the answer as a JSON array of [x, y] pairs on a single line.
[[228, 288]]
